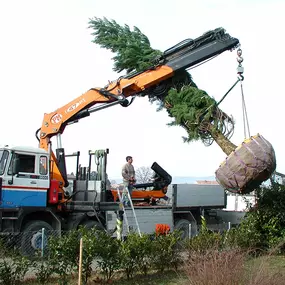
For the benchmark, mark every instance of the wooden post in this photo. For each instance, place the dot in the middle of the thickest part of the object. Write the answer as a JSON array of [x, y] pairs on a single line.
[[80, 262]]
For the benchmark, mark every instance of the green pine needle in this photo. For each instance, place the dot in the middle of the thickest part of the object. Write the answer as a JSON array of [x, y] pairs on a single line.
[[132, 48]]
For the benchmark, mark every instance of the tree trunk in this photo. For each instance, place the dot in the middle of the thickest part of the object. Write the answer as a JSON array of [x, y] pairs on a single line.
[[223, 142]]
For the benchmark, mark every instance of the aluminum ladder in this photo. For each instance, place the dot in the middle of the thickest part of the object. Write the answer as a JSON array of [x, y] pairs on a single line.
[[125, 191]]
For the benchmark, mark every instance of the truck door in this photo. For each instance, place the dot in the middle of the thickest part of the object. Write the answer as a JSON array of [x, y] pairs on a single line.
[[24, 189]]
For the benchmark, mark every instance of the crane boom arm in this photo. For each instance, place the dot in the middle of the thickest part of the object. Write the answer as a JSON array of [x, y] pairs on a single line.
[[118, 91]]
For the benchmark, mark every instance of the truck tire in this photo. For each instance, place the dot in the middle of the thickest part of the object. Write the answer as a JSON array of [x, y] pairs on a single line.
[[183, 226], [31, 239]]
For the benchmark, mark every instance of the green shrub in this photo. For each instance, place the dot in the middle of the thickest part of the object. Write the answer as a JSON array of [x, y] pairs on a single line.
[[63, 255], [43, 271], [89, 250], [108, 254], [258, 232], [13, 270], [135, 253], [165, 251], [230, 238], [146, 248], [204, 241], [263, 227]]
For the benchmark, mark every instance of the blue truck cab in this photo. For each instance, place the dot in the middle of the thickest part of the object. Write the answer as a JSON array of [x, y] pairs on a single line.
[[24, 175]]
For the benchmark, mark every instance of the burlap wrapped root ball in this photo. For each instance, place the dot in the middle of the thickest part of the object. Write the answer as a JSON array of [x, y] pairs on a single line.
[[252, 163]]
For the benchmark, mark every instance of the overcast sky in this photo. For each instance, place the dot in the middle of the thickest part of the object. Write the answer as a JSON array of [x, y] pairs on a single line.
[[47, 59]]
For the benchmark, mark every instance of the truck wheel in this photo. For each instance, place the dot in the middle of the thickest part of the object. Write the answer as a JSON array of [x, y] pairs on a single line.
[[31, 240], [183, 226]]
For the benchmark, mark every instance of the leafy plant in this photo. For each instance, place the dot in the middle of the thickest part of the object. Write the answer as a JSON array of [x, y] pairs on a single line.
[[63, 255], [107, 254], [146, 250], [90, 247], [135, 252], [263, 226], [13, 270], [43, 271], [204, 241], [165, 251]]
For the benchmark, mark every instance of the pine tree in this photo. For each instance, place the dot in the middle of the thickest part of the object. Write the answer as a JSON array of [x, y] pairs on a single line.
[[187, 105]]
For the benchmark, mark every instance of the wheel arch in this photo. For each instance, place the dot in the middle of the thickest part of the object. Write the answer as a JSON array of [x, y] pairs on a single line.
[[33, 215]]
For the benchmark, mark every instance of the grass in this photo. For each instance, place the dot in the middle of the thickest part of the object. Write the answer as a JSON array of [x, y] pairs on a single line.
[[165, 278]]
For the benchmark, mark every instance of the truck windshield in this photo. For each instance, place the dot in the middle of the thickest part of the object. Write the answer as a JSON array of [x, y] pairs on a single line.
[[3, 160]]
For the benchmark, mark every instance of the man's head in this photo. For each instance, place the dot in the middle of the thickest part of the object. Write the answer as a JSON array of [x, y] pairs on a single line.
[[129, 159]]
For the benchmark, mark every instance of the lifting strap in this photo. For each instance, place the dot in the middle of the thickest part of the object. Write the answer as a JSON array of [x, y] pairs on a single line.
[[244, 113], [222, 99]]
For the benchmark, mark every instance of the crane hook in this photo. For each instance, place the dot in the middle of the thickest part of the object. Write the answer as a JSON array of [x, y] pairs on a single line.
[[240, 68]]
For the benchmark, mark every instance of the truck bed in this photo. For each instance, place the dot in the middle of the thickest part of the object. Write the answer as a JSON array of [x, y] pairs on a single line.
[[197, 195]]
